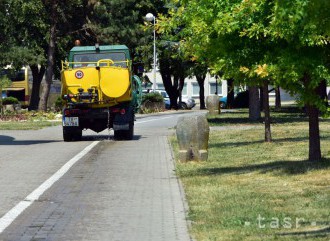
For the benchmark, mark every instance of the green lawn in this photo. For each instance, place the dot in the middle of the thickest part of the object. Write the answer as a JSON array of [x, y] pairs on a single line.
[[251, 190]]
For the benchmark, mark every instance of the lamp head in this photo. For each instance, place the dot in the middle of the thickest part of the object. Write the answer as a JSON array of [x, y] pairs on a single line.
[[150, 17]]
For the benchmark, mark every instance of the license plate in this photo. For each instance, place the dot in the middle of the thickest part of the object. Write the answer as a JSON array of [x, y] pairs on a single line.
[[71, 121]]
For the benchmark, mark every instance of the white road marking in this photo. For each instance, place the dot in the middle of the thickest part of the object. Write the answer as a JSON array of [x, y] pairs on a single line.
[[138, 122], [12, 214]]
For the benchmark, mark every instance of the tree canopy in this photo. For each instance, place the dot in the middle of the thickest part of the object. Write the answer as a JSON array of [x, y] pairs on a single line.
[[253, 41]]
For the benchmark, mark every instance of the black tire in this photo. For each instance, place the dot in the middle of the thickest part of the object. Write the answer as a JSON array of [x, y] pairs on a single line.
[[125, 134], [183, 106], [70, 135], [67, 134], [128, 135], [118, 135], [77, 135], [222, 105]]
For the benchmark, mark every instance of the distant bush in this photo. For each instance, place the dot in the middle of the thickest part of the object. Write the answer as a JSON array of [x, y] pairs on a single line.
[[152, 102], [152, 97], [9, 101]]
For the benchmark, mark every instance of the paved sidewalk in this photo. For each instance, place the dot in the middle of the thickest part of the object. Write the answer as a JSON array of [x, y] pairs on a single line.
[[121, 190]]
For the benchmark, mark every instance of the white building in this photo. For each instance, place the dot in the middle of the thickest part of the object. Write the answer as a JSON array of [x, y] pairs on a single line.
[[191, 88]]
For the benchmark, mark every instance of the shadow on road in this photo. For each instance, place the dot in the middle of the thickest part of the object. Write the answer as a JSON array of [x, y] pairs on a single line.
[[10, 141], [104, 137]]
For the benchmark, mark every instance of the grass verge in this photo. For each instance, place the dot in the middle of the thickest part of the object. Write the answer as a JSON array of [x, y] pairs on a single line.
[[26, 125], [251, 190], [28, 120]]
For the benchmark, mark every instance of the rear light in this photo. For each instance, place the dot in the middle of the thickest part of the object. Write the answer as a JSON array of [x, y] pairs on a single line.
[[68, 97], [68, 112], [117, 110]]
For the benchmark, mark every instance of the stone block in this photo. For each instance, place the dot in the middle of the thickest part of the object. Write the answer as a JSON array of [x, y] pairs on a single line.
[[193, 135], [213, 104]]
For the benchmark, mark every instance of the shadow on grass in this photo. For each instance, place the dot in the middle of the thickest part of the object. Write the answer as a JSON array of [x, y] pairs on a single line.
[[241, 120], [324, 232], [285, 115], [244, 143], [285, 167]]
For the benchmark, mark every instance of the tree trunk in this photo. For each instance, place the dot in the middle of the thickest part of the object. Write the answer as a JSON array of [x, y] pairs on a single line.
[[230, 93], [200, 81], [50, 57], [167, 81], [277, 98], [180, 87], [314, 133], [268, 135], [37, 75], [261, 94], [313, 115], [254, 103]]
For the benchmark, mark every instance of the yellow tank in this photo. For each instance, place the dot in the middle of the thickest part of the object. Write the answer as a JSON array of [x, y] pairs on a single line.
[[96, 85]]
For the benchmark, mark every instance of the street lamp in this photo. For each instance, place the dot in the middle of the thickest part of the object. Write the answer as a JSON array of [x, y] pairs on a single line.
[[150, 17]]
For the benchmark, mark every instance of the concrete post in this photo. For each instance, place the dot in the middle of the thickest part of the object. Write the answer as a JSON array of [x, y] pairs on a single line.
[[213, 104], [193, 135]]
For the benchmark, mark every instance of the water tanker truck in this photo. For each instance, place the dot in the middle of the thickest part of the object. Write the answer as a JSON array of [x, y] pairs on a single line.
[[100, 91]]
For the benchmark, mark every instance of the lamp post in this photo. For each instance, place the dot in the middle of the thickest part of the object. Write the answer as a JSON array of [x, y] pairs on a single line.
[[150, 17]]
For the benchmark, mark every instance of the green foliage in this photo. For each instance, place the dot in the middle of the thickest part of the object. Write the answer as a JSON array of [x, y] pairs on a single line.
[[59, 103], [152, 97], [9, 100], [4, 81], [120, 22], [254, 40]]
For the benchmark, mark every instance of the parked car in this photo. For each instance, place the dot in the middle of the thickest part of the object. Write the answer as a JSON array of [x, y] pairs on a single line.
[[241, 100], [3, 94], [187, 103], [223, 102]]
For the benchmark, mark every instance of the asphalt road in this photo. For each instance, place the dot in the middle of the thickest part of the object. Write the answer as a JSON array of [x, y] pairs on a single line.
[[95, 189]]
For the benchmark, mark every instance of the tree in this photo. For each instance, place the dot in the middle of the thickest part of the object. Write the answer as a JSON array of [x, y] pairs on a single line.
[[303, 29], [286, 38], [254, 103], [230, 93], [173, 71], [30, 46], [200, 71], [4, 82], [121, 22], [25, 48], [268, 135], [68, 17], [52, 5]]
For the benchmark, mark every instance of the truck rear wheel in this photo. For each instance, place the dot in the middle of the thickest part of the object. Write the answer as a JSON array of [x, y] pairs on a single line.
[[70, 135], [128, 135], [125, 134]]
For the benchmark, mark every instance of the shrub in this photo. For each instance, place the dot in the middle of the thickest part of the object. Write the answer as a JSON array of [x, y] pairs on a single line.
[[152, 97], [9, 101], [152, 102], [59, 103]]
